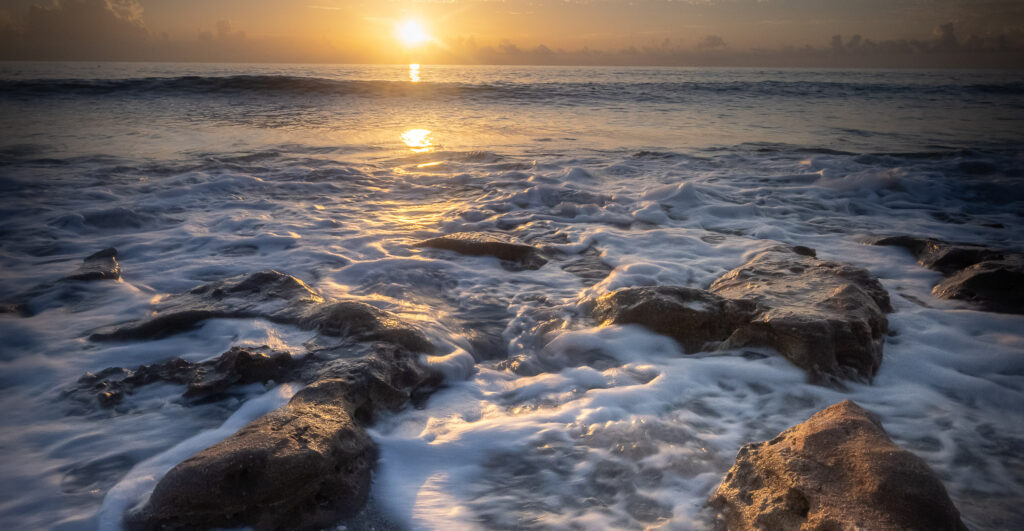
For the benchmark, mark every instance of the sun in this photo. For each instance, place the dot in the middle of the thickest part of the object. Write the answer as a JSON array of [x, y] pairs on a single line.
[[412, 33]]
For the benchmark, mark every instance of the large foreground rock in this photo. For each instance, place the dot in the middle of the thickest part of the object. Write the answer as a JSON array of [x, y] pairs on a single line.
[[828, 318], [837, 471], [991, 279], [515, 255], [303, 466], [274, 296]]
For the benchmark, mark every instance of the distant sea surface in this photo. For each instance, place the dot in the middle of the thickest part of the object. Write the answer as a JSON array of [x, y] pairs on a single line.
[[659, 176]]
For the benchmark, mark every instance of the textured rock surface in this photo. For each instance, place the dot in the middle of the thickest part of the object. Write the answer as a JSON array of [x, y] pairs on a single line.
[[274, 296], [836, 471], [828, 318], [102, 265], [303, 466], [238, 366], [488, 244], [991, 279], [698, 320]]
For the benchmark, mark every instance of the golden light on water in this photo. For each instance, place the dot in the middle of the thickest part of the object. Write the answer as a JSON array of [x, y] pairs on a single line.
[[412, 33], [414, 73], [418, 140]]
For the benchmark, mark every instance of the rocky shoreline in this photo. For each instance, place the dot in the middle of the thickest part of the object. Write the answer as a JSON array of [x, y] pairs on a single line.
[[309, 464]]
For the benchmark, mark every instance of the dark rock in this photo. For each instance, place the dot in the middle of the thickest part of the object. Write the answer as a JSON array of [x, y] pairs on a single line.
[[101, 265], [698, 320], [589, 267], [804, 251], [98, 266], [274, 296], [303, 466], [238, 366], [488, 244], [941, 256], [991, 279], [993, 285], [838, 470]]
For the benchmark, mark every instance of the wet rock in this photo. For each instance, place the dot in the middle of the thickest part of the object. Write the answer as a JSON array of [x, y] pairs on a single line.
[[517, 255], [274, 296], [826, 317], [698, 320], [589, 267], [941, 256], [101, 265], [838, 470], [238, 366], [303, 466], [991, 279], [992, 285]]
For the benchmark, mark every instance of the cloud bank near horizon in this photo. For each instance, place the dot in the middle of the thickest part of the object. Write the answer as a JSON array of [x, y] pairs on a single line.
[[98, 30]]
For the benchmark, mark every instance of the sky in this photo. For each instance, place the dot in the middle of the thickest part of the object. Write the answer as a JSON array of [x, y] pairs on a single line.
[[840, 33]]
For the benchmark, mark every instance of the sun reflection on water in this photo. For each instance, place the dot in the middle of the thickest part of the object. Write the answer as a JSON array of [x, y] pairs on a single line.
[[414, 73], [418, 140]]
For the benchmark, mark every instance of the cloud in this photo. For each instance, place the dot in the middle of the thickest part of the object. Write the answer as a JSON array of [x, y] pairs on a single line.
[[711, 42], [77, 30]]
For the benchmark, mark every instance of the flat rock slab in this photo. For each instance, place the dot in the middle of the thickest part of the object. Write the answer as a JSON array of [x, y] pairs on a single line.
[[838, 470], [273, 296], [303, 466], [517, 255], [991, 279]]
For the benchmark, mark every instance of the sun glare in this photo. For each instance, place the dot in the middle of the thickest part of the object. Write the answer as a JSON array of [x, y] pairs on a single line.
[[412, 33]]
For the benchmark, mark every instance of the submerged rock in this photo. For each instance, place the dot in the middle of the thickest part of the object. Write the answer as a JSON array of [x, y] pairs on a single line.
[[838, 470], [588, 267], [274, 296], [698, 320], [101, 265], [517, 255], [941, 256], [828, 318], [238, 366], [991, 279], [303, 466], [992, 285]]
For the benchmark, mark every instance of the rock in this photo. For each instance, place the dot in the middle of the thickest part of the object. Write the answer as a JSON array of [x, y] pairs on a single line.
[[589, 267], [992, 285], [941, 256], [991, 279], [101, 265], [828, 318], [274, 296], [836, 471], [303, 466], [698, 320], [238, 366], [518, 256]]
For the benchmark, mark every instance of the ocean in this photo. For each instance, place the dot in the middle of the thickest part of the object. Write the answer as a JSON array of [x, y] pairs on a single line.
[[652, 176]]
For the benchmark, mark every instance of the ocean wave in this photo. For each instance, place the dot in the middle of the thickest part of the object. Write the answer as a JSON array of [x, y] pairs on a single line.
[[652, 92]]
